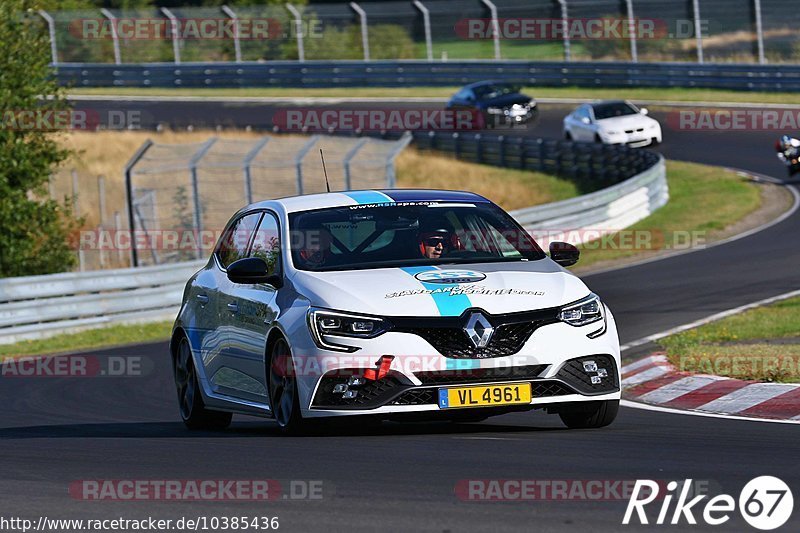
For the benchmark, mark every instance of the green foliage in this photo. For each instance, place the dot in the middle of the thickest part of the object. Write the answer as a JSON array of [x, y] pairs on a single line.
[[386, 41], [33, 232]]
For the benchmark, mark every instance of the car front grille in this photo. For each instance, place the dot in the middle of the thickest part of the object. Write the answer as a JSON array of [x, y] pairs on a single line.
[[447, 335]]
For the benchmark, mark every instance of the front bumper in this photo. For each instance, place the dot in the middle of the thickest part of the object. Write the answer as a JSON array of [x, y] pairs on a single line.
[[550, 360]]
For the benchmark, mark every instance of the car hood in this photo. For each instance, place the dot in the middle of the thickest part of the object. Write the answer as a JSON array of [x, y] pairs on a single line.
[[627, 122], [506, 100], [443, 291]]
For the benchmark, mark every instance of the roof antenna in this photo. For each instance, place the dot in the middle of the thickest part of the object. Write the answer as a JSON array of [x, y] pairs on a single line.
[[324, 171]]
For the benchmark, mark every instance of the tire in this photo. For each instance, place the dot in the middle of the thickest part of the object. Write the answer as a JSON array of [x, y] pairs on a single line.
[[567, 136], [284, 397], [597, 139], [190, 400], [591, 415]]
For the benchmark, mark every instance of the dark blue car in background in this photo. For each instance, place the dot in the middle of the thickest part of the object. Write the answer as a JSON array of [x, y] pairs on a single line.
[[498, 103]]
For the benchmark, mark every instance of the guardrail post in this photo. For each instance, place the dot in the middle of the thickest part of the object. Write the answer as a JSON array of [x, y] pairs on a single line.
[[129, 193], [175, 30], [478, 148], [495, 27], [298, 161], [346, 161], [457, 145], [248, 181], [698, 32], [51, 27], [542, 153], [298, 26], [760, 33], [114, 35], [118, 228], [426, 23], [565, 21], [237, 49], [198, 216], [362, 15], [501, 150], [402, 143], [632, 27], [101, 196]]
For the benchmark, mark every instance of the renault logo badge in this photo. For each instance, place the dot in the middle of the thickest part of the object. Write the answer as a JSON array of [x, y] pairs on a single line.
[[479, 330]]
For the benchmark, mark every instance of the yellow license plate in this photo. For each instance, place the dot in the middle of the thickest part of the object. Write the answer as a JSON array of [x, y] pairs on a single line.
[[481, 396]]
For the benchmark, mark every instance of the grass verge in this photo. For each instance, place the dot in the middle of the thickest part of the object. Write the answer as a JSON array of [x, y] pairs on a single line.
[[760, 344], [703, 201], [655, 93], [90, 339]]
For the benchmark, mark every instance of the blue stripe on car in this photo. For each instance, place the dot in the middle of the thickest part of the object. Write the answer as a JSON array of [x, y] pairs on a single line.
[[368, 197], [448, 305]]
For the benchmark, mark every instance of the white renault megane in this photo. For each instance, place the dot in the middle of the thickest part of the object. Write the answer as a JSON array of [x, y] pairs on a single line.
[[395, 304]]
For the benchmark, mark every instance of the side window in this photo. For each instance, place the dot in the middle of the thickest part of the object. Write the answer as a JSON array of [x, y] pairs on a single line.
[[233, 245], [267, 243]]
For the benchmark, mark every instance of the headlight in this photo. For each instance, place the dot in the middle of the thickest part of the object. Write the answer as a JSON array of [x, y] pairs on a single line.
[[653, 126], [495, 110], [328, 327], [609, 132], [582, 312]]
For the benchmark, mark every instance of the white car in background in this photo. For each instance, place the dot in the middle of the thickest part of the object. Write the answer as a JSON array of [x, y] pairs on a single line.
[[612, 122]]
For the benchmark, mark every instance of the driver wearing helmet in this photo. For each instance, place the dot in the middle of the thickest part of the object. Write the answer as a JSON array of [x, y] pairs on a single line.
[[434, 244], [317, 248]]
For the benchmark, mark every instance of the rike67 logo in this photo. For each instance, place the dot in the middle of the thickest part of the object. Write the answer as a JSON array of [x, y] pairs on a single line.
[[765, 503]]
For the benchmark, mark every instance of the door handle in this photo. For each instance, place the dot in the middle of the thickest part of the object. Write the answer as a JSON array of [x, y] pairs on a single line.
[[202, 298], [233, 307]]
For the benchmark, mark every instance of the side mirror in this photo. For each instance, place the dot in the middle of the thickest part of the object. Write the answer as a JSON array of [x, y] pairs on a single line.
[[252, 270], [564, 253], [644, 111], [586, 120]]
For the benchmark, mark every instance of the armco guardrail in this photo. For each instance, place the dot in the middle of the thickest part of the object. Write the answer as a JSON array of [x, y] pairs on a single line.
[[40, 306], [404, 73], [604, 211]]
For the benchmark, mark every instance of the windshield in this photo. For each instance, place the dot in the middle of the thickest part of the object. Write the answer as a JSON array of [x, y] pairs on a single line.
[[613, 109], [407, 234], [487, 92]]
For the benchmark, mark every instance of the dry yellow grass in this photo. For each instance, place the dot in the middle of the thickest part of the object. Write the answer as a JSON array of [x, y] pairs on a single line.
[[105, 153], [509, 188]]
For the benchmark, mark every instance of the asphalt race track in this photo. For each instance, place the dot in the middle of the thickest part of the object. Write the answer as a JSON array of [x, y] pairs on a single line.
[[55, 431]]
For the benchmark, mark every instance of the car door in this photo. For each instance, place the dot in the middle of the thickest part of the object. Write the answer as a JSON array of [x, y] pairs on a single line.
[[584, 127], [229, 357], [255, 311]]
